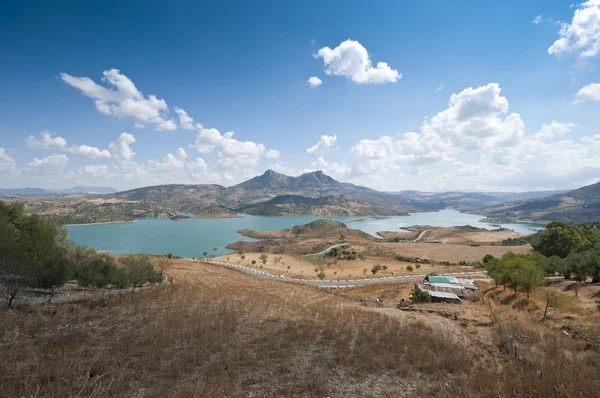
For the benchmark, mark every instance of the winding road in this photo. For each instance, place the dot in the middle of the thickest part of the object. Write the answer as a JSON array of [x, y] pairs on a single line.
[[337, 284], [421, 235], [330, 248]]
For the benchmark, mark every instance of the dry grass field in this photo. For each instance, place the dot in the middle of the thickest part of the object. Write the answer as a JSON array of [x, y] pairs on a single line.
[[303, 268], [221, 333], [450, 252]]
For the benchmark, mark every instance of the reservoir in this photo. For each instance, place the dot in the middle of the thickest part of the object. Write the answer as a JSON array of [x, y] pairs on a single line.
[[191, 238]]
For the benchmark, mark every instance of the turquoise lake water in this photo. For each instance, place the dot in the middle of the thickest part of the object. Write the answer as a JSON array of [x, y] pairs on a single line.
[[190, 238]]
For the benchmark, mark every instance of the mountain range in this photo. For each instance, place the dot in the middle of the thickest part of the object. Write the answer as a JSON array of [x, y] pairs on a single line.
[[275, 194], [579, 205], [40, 192]]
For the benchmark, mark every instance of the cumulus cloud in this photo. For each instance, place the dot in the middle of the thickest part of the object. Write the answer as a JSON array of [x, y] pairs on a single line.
[[121, 150], [8, 166], [272, 154], [591, 92], [549, 131], [46, 141], [351, 60], [122, 99], [185, 121], [93, 171], [582, 35], [323, 146], [314, 81], [233, 154], [51, 164]]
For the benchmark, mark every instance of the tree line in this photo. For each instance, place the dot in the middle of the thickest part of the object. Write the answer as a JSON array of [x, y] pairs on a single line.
[[35, 253], [572, 251]]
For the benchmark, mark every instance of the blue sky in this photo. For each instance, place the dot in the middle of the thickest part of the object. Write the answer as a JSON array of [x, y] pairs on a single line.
[[524, 114]]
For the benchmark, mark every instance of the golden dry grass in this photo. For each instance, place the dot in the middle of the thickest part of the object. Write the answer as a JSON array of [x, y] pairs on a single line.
[[297, 267], [451, 252], [221, 333]]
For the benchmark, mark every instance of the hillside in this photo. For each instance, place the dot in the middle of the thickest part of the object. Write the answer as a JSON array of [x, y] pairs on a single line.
[[272, 194], [579, 205], [471, 200]]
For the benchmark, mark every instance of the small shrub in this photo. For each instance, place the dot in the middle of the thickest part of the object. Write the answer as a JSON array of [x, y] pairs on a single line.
[[385, 267], [321, 275], [421, 296], [253, 262], [409, 268], [417, 266], [376, 268], [487, 257]]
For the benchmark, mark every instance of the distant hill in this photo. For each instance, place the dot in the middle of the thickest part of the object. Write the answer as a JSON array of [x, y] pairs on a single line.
[[271, 193], [471, 200], [46, 192], [579, 205]]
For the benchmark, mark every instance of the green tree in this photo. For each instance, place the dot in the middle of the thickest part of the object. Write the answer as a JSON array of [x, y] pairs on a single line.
[[577, 264], [560, 239], [530, 272], [30, 253], [139, 270]]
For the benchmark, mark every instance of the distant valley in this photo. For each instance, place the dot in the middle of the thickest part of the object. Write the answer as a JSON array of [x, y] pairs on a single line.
[[275, 194]]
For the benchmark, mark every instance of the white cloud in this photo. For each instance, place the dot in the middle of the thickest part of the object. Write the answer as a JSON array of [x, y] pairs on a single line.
[[582, 35], [170, 163], [208, 139], [323, 146], [120, 150], [123, 99], [185, 121], [351, 59], [314, 81], [93, 171], [89, 152], [51, 164], [239, 155], [46, 141], [538, 19], [139, 126], [591, 92], [8, 166], [272, 154], [549, 131], [439, 88]]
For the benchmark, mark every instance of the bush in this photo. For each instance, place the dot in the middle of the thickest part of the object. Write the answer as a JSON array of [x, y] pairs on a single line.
[[417, 266], [487, 258], [321, 275], [421, 296], [253, 262], [100, 272], [376, 268], [140, 270], [385, 267], [409, 268]]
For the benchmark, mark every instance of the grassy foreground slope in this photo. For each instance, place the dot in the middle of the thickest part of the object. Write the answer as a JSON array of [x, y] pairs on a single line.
[[219, 333]]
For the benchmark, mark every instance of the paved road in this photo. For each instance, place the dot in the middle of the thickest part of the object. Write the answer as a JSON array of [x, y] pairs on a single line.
[[330, 248], [421, 235], [338, 284]]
